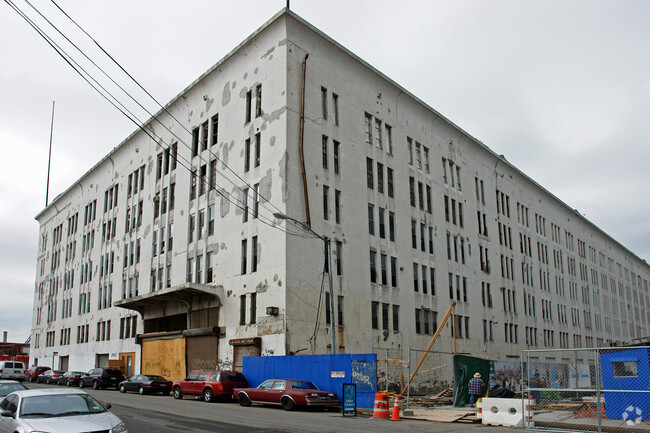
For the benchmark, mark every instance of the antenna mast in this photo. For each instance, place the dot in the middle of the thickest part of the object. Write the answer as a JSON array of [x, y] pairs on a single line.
[[49, 159]]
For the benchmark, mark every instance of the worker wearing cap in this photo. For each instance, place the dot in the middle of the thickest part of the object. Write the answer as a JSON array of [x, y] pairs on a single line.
[[476, 386]]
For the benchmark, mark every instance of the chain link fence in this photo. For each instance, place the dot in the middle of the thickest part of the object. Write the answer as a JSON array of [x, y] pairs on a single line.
[[602, 389]]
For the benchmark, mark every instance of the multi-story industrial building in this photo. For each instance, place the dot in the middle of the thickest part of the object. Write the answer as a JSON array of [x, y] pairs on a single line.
[[166, 256]]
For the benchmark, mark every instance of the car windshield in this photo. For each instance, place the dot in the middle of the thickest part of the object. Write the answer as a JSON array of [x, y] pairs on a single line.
[[6, 388], [55, 405], [302, 385], [152, 377]]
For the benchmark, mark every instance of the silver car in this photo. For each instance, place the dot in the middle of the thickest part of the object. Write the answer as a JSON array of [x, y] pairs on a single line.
[[56, 411]]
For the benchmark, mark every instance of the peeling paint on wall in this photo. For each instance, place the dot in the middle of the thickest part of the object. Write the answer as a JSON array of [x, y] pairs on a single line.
[[262, 287], [225, 203], [225, 95]]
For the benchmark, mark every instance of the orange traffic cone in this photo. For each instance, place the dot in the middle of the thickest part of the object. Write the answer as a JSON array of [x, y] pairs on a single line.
[[395, 416]]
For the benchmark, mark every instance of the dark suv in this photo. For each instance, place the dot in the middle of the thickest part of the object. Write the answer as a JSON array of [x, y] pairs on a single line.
[[209, 384], [101, 378]]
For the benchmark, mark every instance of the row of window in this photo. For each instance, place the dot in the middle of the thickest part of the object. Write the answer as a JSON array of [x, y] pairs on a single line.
[[388, 186]]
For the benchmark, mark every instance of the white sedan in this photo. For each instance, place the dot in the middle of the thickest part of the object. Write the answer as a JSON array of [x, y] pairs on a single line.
[[56, 411]]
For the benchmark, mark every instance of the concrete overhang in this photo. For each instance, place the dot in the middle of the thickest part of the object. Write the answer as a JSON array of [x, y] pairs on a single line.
[[185, 294]]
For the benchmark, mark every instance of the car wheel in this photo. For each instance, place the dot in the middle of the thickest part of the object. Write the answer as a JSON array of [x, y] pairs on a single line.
[[48, 381], [141, 390], [31, 378], [208, 395], [68, 383], [177, 393], [243, 400], [122, 389], [95, 384], [82, 384], [288, 404]]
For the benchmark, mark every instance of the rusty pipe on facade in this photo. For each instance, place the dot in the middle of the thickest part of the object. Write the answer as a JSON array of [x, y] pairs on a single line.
[[302, 142]]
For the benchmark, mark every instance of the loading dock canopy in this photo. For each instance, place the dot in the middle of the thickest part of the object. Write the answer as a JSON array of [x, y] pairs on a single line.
[[185, 294]]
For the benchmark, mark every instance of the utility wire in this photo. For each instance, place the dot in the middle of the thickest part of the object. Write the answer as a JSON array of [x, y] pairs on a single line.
[[159, 104], [115, 102]]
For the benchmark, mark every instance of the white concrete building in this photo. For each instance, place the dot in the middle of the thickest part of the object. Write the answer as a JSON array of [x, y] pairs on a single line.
[[165, 257]]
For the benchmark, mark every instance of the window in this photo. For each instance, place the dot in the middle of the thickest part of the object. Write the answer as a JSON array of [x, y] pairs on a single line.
[[215, 129], [371, 219], [245, 204], [202, 178], [258, 149], [204, 135], [192, 228], [339, 307], [326, 210], [382, 224], [248, 108], [244, 247], [337, 206], [368, 128], [247, 155], [416, 281], [374, 309], [256, 199], [389, 180], [373, 266], [625, 368], [323, 102], [384, 270], [391, 226], [201, 224], [369, 173], [336, 145], [335, 108], [195, 142], [210, 220], [253, 309], [339, 258], [258, 100], [378, 137], [380, 178], [324, 152], [393, 271], [395, 318], [389, 139], [254, 254], [242, 309], [384, 316]]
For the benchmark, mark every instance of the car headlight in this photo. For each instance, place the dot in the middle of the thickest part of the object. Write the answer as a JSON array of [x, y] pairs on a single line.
[[121, 427]]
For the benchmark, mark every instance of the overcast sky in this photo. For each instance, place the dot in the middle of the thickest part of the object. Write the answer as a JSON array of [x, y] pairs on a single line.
[[560, 88]]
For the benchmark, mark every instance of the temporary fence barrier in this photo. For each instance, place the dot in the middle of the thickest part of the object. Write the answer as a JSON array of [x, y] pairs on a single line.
[[598, 389]]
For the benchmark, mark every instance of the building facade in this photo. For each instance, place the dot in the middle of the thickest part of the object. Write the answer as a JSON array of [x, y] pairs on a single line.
[[166, 256]]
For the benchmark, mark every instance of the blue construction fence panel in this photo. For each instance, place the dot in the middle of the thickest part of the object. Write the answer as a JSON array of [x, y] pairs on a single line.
[[626, 374], [328, 372]]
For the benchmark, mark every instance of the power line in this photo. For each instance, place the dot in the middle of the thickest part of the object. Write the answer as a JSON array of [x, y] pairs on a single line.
[[159, 104], [131, 116]]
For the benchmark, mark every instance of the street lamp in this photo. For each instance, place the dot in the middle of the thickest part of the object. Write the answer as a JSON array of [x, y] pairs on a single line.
[[328, 255]]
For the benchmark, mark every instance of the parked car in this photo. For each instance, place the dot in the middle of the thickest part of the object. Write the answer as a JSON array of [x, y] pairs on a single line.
[[12, 370], [102, 378], [9, 386], [57, 411], [288, 393], [70, 378], [50, 376], [146, 383], [209, 384], [33, 372]]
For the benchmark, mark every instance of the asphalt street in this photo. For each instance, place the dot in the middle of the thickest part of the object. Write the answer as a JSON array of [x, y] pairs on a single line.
[[163, 414]]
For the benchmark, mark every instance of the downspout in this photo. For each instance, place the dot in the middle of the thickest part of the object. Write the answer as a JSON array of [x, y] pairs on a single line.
[[302, 140]]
